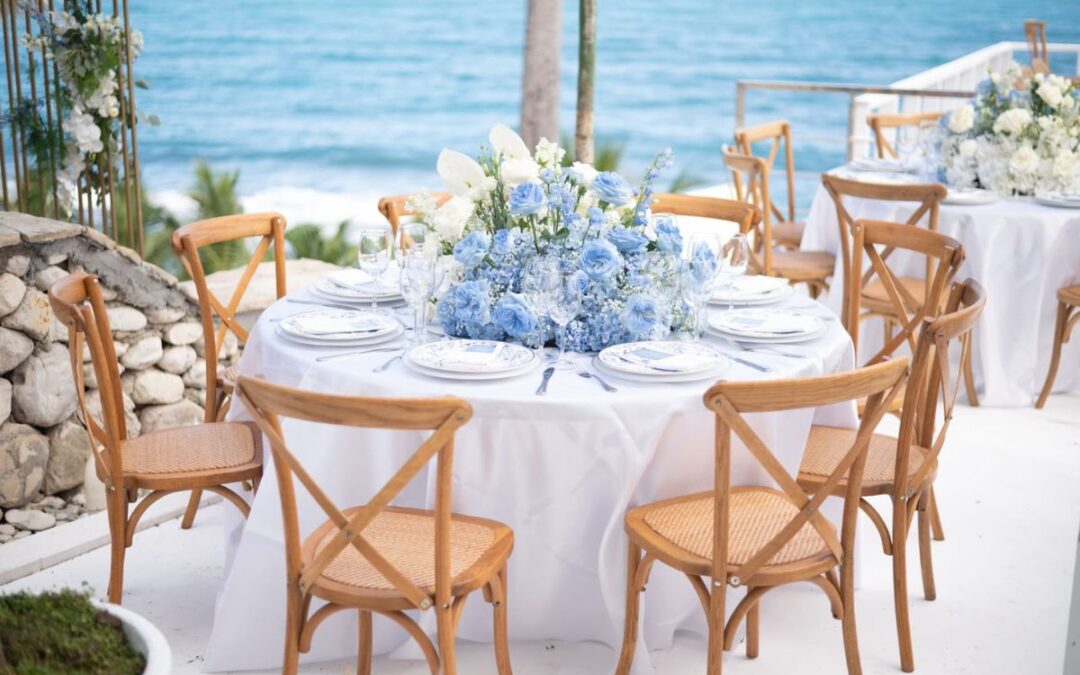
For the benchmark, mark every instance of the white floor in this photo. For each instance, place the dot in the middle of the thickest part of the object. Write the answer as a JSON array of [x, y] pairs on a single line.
[[1010, 497]]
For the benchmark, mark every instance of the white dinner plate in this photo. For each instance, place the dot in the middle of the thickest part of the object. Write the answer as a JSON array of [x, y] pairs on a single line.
[[473, 357], [326, 288], [1061, 202], [339, 325], [358, 342], [751, 325], [970, 196], [755, 290], [654, 358], [448, 374], [877, 165], [664, 378]]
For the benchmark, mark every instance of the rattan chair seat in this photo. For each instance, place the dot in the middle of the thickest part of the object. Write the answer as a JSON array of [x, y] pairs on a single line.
[[789, 233], [876, 299], [406, 538], [203, 447], [803, 265], [826, 446]]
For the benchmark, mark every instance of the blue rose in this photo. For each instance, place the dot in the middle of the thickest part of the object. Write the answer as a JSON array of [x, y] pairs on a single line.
[[600, 259], [514, 315], [668, 237], [472, 302], [612, 188], [627, 240], [641, 314], [527, 199], [472, 250]]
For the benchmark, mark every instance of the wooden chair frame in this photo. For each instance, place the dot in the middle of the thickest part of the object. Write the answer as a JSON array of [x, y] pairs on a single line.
[[779, 133], [1068, 315], [744, 215], [932, 387], [730, 401], [750, 175], [78, 303], [267, 403], [394, 208], [879, 123], [186, 242]]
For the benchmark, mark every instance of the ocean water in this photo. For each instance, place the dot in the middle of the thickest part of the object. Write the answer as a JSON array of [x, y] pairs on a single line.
[[356, 98]]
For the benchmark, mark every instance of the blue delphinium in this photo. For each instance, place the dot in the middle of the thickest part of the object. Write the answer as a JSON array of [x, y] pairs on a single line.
[[600, 259], [627, 240], [527, 199], [472, 250], [612, 188]]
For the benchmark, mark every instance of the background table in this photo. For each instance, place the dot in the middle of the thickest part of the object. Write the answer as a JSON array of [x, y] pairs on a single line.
[[1020, 251], [561, 470]]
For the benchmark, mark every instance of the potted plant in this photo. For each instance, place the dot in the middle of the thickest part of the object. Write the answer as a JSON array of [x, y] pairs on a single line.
[[67, 631]]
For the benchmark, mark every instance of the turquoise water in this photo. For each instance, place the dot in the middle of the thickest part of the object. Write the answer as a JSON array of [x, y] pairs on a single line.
[[358, 97]]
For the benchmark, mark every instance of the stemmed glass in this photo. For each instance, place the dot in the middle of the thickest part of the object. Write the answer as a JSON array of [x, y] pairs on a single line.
[[373, 254], [698, 274], [907, 144], [734, 259], [417, 280], [563, 306], [538, 282]]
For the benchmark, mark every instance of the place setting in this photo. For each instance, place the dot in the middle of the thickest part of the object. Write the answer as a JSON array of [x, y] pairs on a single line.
[[339, 328]]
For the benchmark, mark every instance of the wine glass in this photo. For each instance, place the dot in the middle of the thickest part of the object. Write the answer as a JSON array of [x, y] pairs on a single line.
[[413, 236], [373, 255], [563, 305], [417, 281], [698, 274], [734, 259], [907, 144], [538, 281], [666, 221]]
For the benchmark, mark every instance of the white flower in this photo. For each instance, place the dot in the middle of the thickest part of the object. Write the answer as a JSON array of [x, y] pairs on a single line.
[[506, 142], [449, 219], [84, 130], [1012, 121], [460, 173], [1065, 166], [962, 119], [584, 172], [516, 171], [422, 205], [549, 154], [1024, 161], [967, 148]]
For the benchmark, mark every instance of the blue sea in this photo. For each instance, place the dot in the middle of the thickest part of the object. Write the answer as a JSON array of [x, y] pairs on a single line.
[[357, 97]]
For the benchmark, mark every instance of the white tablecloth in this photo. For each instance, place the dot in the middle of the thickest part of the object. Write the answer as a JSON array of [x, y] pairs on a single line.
[[561, 470], [1020, 251]]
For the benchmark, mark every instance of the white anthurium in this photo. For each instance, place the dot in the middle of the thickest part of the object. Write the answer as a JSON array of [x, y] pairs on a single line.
[[449, 220], [517, 171], [506, 142], [460, 173]]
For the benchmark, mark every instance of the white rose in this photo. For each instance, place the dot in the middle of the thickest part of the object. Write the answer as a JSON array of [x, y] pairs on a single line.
[[1048, 92], [962, 119], [506, 142], [459, 172], [1024, 161], [449, 219], [548, 153], [1066, 165], [584, 172], [1012, 121], [967, 147], [517, 171]]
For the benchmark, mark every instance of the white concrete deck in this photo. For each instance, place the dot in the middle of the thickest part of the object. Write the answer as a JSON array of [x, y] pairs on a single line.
[[1010, 498]]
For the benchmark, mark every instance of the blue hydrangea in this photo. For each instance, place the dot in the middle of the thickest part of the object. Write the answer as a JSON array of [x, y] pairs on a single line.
[[515, 316], [527, 199], [472, 250]]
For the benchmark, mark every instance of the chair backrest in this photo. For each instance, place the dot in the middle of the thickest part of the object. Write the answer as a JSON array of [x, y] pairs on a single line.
[[745, 216], [935, 384], [395, 207], [78, 303], [1035, 32], [877, 240], [750, 175], [732, 400], [927, 196], [779, 133], [878, 124], [186, 242], [267, 403]]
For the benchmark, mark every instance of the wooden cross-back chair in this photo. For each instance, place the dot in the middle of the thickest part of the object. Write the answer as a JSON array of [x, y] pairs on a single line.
[[759, 538], [1035, 33], [218, 317], [904, 468], [879, 123], [786, 229], [745, 216], [394, 208], [751, 178], [205, 457], [1068, 315], [376, 558]]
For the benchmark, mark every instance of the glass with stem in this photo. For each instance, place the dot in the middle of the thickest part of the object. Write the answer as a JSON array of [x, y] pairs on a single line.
[[563, 305], [698, 274], [417, 280], [734, 259], [538, 281], [373, 254]]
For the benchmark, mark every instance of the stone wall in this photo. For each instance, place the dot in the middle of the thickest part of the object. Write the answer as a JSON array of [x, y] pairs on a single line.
[[43, 444]]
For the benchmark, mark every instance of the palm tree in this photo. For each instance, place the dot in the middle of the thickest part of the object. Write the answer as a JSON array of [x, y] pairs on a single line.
[[583, 130], [540, 82], [307, 241]]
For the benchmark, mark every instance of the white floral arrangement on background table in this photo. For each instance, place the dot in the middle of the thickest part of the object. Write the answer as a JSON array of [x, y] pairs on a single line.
[[510, 206], [1019, 136]]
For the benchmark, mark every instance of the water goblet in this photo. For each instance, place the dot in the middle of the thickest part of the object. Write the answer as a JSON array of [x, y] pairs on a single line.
[[734, 259], [696, 281], [538, 281], [417, 280], [373, 255], [563, 305]]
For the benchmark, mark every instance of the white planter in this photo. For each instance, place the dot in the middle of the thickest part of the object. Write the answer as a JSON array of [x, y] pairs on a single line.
[[144, 637]]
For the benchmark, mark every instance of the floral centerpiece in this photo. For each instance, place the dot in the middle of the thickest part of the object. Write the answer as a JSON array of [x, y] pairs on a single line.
[[1019, 136], [510, 206]]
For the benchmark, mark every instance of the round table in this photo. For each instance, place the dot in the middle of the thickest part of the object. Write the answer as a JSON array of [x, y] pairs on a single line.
[[561, 470], [1019, 250]]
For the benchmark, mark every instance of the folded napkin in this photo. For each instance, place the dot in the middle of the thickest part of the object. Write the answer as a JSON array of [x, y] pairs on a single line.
[[471, 356], [751, 286], [354, 279], [657, 358], [334, 325], [772, 323]]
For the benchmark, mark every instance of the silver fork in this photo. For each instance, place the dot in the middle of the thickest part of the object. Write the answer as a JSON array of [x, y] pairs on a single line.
[[593, 376]]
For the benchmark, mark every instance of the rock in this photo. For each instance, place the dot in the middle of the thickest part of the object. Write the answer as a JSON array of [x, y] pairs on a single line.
[[120, 348], [43, 391], [196, 375], [33, 316], [55, 258], [142, 354], [18, 265], [79, 500], [230, 346], [6, 528], [93, 406], [34, 521], [108, 294], [40, 230], [58, 331], [45, 278], [126, 319], [152, 387], [183, 333], [22, 534], [12, 290], [177, 359], [48, 503], [23, 455], [69, 448], [127, 383], [179, 414], [5, 400], [14, 348], [164, 315]]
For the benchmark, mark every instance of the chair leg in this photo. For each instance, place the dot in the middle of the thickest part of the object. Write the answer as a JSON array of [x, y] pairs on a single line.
[[925, 559], [633, 601], [502, 638], [117, 506], [717, 614], [935, 518], [444, 619], [293, 625], [192, 509], [900, 598], [753, 625], [1055, 357], [363, 654], [969, 374]]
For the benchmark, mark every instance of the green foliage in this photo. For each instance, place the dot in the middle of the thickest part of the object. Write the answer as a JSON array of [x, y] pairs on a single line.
[[609, 153], [686, 181], [307, 241], [61, 632]]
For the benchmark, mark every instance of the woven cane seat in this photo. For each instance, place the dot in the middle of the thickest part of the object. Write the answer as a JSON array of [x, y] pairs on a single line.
[[756, 515], [827, 446], [226, 378], [788, 233], [803, 265], [406, 538], [211, 448], [1070, 295], [876, 299]]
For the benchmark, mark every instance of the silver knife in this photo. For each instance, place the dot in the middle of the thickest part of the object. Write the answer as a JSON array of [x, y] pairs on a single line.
[[749, 364], [548, 372]]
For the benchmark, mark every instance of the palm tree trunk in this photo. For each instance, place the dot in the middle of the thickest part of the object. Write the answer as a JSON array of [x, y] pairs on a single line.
[[540, 83], [584, 139]]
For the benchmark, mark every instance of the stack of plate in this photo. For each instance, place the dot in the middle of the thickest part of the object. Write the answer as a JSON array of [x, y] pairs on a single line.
[[1060, 201], [969, 196], [340, 328], [661, 361], [471, 359], [357, 287], [753, 290], [766, 325], [876, 164]]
